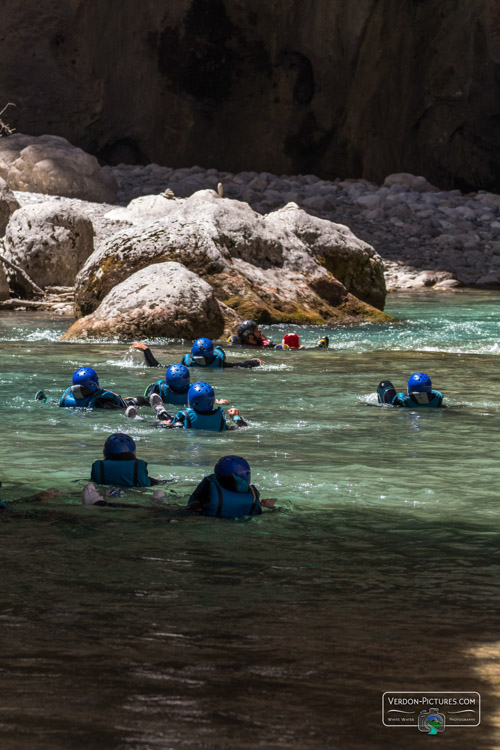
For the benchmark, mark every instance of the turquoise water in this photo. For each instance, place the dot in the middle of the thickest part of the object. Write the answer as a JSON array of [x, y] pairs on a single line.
[[122, 630]]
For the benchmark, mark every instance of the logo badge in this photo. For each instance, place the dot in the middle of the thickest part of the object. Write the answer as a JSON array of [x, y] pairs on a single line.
[[431, 722]]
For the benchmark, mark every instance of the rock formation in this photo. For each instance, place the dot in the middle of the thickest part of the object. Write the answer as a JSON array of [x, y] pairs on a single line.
[[333, 88], [53, 166], [286, 266], [8, 205], [163, 300], [49, 241]]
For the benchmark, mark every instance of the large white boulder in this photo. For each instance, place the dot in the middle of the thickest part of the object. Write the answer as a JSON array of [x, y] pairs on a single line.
[[52, 165], [163, 300], [286, 266], [49, 241]]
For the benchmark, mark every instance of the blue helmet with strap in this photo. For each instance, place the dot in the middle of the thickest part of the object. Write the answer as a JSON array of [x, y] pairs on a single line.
[[87, 377], [419, 382], [202, 348], [177, 378], [233, 465], [201, 397], [117, 443]]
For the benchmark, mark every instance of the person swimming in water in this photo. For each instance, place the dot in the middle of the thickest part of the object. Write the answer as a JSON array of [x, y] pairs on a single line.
[[120, 466], [249, 334], [200, 413], [203, 354], [292, 341], [174, 389], [420, 393], [228, 492]]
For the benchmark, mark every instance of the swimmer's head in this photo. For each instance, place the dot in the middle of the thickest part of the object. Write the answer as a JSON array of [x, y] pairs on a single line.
[[201, 397], [202, 351], [291, 341], [118, 443], [236, 467], [86, 377], [177, 378], [419, 382]]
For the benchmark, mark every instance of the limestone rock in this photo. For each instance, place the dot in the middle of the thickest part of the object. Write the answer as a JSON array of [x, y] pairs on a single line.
[[50, 164], [286, 266], [8, 205], [4, 284], [50, 242], [163, 300]]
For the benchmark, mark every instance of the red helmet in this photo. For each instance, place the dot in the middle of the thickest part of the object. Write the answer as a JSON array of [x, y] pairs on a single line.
[[291, 340]]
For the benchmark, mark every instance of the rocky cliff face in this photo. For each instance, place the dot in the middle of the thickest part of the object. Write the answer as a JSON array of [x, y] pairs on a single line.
[[330, 87]]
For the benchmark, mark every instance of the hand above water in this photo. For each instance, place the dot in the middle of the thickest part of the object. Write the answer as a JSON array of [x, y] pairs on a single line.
[[139, 345]]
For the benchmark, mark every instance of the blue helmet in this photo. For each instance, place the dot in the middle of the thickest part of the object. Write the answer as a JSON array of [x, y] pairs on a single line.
[[201, 397], [177, 378], [229, 465], [202, 348], [87, 377], [117, 443], [419, 382]]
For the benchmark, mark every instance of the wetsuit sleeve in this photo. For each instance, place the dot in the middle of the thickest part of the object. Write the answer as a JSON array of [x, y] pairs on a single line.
[[150, 359], [200, 497], [136, 401], [246, 363], [178, 422], [237, 422], [396, 401], [110, 401]]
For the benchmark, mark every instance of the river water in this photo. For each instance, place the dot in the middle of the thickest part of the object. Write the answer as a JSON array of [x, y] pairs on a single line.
[[379, 570]]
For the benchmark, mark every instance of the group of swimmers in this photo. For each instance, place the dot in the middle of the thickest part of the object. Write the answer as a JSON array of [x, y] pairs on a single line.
[[228, 491]]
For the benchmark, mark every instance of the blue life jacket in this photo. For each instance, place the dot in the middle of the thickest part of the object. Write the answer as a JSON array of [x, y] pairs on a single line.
[[432, 400], [74, 396], [217, 361], [132, 473], [167, 394], [228, 504], [215, 420]]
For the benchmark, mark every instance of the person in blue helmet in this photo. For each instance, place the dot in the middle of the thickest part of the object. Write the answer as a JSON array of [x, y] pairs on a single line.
[[200, 413], [174, 389], [203, 354], [120, 466], [420, 393], [86, 392], [228, 492]]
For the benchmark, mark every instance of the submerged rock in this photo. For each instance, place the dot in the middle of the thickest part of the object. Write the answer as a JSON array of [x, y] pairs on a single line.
[[163, 300], [52, 165], [50, 242], [286, 266]]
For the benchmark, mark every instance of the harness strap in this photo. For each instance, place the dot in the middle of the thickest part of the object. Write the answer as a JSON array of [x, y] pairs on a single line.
[[219, 506], [221, 426], [103, 477], [188, 419], [254, 493], [136, 471]]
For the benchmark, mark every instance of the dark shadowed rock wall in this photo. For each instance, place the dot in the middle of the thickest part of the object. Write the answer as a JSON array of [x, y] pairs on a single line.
[[342, 88]]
